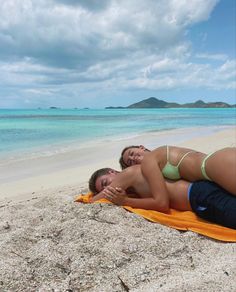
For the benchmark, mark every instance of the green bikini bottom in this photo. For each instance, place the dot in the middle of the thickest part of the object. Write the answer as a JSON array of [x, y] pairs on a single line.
[[203, 166]]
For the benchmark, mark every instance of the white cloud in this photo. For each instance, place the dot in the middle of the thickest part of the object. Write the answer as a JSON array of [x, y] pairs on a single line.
[[68, 35], [48, 46], [172, 73], [219, 57], [187, 12], [228, 70], [228, 66]]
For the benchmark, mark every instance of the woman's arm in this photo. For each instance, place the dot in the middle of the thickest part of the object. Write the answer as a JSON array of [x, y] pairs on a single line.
[[97, 197], [144, 203], [114, 194], [119, 197], [151, 171]]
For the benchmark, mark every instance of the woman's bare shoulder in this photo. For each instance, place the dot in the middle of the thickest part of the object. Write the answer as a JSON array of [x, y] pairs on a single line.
[[157, 152], [132, 169]]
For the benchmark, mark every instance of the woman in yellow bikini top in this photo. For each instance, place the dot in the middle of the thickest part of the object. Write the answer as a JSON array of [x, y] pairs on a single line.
[[221, 167], [172, 171]]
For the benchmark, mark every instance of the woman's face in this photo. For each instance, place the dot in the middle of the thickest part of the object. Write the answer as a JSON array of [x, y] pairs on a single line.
[[133, 155]]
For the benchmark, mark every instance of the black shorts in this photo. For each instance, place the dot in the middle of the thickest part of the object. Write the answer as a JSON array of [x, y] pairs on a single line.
[[211, 202]]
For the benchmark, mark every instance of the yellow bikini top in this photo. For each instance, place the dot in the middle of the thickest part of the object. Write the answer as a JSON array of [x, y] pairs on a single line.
[[172, 171]]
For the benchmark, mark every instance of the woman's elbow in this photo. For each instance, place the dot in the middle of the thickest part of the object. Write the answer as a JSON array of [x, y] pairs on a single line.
[[162, 206]]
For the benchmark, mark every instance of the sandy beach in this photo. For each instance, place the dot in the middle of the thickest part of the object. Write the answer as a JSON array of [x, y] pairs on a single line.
[[50, 243]]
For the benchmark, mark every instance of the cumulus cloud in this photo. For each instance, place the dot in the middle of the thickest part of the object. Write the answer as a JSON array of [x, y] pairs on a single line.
[[105, 43], [62, 35], [178, 73]]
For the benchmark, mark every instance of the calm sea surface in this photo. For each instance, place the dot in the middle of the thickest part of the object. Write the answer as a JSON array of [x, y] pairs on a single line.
[[27, 130]]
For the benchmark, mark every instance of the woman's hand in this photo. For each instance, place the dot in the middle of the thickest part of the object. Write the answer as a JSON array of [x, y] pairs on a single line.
[[115, 195]]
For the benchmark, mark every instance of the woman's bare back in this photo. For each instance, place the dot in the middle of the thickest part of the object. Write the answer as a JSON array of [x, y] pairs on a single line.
[[220, 166], [189, 168]]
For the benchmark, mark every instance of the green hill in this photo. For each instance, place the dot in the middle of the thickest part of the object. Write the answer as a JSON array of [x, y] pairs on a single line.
[[153, 102]]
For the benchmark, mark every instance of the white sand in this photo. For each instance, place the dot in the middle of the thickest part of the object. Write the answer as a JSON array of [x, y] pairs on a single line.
[[49, 242]]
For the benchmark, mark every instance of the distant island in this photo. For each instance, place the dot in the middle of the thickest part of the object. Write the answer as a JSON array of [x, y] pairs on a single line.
[[153, 102], [54, 107]]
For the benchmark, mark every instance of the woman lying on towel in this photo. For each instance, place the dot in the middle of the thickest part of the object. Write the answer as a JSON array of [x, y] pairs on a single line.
[[131, 188]]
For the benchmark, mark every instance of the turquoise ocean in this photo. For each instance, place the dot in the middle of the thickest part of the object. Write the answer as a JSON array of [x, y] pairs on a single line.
[[23, 131]]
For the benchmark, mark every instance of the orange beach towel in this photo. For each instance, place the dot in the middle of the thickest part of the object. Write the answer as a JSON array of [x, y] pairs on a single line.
[[181, 220]]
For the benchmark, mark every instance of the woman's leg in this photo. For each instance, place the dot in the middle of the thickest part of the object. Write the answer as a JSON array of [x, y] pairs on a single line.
[[221, 168]]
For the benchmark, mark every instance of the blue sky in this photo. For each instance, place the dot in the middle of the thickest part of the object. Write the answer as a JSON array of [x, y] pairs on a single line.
[[98, 53]]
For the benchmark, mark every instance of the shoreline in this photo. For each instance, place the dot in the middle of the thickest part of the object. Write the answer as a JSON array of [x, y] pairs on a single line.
[[20, 178], [76, 145]]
